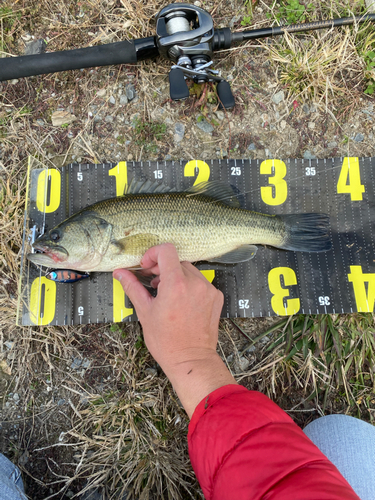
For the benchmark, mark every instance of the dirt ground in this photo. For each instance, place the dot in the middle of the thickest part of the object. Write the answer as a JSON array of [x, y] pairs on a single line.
[[58, 386]]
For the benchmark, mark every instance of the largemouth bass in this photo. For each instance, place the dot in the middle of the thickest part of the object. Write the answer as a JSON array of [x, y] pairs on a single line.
[[204, 223]]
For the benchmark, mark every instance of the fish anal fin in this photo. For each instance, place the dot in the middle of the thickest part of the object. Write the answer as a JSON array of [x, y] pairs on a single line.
[[240, 254], [135, 244]]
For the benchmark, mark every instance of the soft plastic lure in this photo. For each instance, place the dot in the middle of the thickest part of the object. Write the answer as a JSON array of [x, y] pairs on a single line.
[[66, 275]]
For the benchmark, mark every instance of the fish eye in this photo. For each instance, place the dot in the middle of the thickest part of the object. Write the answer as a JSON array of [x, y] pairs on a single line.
[[54, 235]]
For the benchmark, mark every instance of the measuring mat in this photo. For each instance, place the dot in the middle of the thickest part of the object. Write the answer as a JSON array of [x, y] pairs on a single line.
[[274, 282]]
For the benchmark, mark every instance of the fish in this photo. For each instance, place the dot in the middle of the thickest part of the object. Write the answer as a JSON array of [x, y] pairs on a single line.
[[65, 275], [204, 223]]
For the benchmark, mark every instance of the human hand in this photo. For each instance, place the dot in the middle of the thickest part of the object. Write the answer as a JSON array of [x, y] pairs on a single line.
[[180, 324]]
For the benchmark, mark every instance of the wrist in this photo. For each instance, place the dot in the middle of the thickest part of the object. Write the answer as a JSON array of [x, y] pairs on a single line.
[[195, 378]]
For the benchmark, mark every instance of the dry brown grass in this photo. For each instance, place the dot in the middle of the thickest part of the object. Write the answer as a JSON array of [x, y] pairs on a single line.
[[123, 426]]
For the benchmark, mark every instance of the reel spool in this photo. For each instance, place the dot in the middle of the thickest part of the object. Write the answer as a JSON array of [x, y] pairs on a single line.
[[185, 34]]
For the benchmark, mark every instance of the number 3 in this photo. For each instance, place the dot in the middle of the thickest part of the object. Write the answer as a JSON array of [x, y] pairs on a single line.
[[279, 194]]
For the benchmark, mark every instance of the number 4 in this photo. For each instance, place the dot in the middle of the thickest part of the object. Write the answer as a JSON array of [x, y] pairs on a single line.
[[350, 179]]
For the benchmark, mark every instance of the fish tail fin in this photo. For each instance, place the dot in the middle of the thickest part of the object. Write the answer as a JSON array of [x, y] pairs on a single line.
[[306, 232]]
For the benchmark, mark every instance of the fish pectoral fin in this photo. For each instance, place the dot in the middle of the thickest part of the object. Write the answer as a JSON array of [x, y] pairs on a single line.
[[240, 254], [136, 244]]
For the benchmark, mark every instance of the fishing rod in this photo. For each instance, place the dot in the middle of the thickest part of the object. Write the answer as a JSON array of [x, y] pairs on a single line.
[[184, 34]]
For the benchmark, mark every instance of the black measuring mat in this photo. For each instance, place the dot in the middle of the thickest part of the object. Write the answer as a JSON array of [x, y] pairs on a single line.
[[275, 282]]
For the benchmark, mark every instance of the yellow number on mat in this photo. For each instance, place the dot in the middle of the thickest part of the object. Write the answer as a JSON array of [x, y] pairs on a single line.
[[350, 179], [274, 284], [203, 171], [49, 178], [364, 299], [120, 311], [120, 171], [209, 274], [42, 313], [280, 193]]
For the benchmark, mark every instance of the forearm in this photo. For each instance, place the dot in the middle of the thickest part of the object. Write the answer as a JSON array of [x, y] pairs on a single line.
[[195, 379]]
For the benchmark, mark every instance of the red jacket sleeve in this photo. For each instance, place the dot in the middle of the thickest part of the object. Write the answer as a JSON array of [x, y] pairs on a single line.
[[243, 446]]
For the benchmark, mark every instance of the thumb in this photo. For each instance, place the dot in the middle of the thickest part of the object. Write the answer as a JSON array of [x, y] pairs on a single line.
[[136, 292]]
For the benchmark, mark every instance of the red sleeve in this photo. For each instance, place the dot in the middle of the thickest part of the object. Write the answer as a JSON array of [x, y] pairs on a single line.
[[243, 446]]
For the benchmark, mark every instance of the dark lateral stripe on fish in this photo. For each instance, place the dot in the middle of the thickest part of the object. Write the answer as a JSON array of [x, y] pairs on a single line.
[[306, 232]]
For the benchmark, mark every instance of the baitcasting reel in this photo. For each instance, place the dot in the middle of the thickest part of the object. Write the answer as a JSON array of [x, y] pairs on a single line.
[[185, 34]]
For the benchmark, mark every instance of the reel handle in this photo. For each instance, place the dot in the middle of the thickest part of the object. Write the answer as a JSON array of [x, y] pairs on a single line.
[[177, 85], [225, 95]]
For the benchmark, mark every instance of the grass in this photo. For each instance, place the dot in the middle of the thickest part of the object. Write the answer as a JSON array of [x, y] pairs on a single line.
[[123, 427], [324, 64], [326, 356], [147, 134], [292, 12]]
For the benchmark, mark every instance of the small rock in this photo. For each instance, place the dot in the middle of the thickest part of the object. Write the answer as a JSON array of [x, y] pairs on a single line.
[[108, 119], [332, 144], [49, 389], [112, 100], [26, 37], [16, 397], [306, 109], [77, 362], [252, 348], [359, 137], [234, 20], [101, 92], [40, 122], [278, 97], [230, 358], [205, 126], [97, 118], [282, 124], [197, 3], [85, 363], [24, 458], [14, 81], [179, 132], [62, 118], [61, 402], [311, 125], [35, 47], [241, 364], [308, 155], [123, 100], [9, 344], [151, 371], [220, 115], [130, 91], [167, 157], [251, 147]]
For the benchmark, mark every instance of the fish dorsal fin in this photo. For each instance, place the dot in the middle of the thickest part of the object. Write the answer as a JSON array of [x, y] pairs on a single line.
[[143, 187], [218, 191]]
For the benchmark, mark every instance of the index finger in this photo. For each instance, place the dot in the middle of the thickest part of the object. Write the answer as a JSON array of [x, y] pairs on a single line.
[[162, 259]]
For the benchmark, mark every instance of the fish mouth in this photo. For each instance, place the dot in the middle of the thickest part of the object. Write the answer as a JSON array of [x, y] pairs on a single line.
[[47, 255]]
